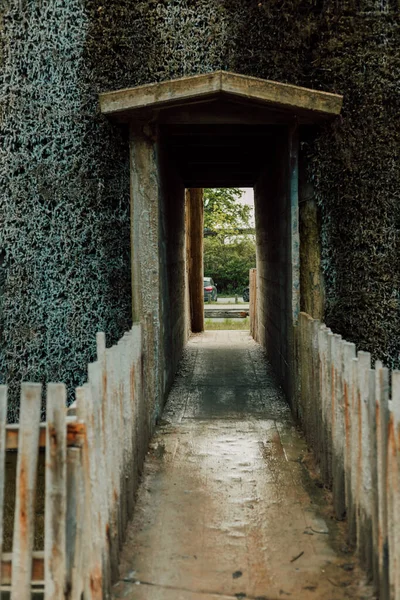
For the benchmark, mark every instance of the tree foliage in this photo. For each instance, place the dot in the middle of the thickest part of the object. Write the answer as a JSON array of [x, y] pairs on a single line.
[[229, 263], [223, 212]]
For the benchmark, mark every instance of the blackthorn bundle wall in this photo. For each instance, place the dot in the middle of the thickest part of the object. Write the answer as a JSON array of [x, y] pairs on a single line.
[[64, 172]]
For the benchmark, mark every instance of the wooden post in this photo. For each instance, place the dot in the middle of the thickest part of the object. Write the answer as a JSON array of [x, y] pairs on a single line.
[[374, 479], [349, 354], [3, 421], [364, 528], [92, 567], [55, 505], [338, 430], [323, 351], [194, 240], [355, 420], [253, 304], [396, 471], [382, 424], [26, 490], [75, 523]]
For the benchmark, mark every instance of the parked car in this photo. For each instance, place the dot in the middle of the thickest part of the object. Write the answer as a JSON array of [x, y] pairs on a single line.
[[210, 289], [246, 294]]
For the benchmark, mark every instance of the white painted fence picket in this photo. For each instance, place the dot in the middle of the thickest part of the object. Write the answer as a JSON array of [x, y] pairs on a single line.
[[91, 476], [354, 430]]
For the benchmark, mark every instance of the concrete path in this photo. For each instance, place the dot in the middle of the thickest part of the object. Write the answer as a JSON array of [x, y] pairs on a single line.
[[227, 508]]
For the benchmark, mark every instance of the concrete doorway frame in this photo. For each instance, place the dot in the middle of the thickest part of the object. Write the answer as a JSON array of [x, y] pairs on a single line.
[[216, 100]]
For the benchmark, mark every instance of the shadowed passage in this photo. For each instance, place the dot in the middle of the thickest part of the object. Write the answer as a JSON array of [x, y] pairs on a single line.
[[226, 508]]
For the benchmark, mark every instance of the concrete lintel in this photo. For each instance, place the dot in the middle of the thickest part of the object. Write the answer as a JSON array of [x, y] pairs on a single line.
[[157, 96]]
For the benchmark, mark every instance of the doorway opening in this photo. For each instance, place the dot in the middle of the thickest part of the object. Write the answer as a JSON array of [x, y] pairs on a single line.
[[229, 252], [219, 130]]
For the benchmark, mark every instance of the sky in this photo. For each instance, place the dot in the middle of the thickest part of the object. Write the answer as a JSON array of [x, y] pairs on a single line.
[[248, 198]]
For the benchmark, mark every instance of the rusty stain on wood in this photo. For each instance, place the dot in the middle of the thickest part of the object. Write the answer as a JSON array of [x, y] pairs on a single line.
[[37, 572]]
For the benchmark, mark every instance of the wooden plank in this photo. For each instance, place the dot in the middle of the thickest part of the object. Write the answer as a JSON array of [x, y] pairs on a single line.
[[37, 569], [26, 490], [355, 425], [194, 203], [12, 433], [323, 350], [3, 421], [186, 89], [91, 563], [330, 390], [99, 496], [394, 551], [364, 528], [75, 524], [349, 354], [338, 429], [374, 478], [113, 433], [382, 424], [316, 418], [55, 500], [12, 436]]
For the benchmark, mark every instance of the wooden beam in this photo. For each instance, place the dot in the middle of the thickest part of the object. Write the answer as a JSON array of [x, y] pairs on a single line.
[[37, 568], [273, 94], [194, 206], [75, 432]]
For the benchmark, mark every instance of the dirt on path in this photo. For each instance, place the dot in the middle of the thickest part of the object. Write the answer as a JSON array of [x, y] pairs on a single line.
[[227, 508]]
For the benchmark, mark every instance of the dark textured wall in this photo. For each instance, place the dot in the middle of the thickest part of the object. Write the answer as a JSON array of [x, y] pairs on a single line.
[[64, 185], [173, 265]]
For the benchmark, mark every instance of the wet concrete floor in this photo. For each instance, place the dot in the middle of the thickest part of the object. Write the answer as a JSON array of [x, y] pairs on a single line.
[[227, 508]]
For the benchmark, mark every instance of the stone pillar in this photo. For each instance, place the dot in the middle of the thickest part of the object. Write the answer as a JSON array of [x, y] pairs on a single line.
[[194, 256]]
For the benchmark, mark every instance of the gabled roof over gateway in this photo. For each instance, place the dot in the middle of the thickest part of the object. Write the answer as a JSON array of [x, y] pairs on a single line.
[[310, 105]]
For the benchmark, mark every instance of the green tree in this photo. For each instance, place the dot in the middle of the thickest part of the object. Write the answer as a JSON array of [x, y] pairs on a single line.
[[223, 213], [229, 263]]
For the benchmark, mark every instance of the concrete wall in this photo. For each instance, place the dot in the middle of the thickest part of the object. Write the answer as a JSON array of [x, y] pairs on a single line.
[[276, 268], [158, 260]]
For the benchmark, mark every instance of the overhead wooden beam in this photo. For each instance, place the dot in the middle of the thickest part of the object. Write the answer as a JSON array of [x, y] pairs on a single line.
[[156, 96]]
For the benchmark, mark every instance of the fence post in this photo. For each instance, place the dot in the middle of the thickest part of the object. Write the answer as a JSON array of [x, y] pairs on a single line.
[[323, 350], [3, 421], [364, 530], [355, 424], [330, 390], [374, 479], [393, 488], [55, 502], [75, 523], [349, 353], [25, 490], [382, 424], [396, 419], [338, 429], [91, 564], [315, 433]]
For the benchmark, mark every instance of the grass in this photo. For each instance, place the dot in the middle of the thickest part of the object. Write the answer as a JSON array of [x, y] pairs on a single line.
[[241, 301], [240, 324]]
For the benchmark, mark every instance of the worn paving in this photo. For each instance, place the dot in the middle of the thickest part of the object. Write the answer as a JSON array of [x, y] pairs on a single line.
[[226, 508]]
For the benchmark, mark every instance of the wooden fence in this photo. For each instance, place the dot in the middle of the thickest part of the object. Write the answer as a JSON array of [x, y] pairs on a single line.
[[91, 471], [353, 426]]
